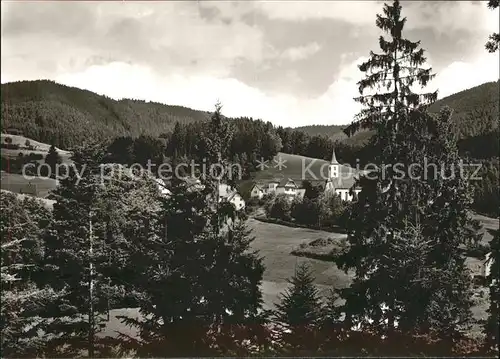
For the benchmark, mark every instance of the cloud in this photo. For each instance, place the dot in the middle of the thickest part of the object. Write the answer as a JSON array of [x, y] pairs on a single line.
[[459, 75], [169, 36], [120, 80], [193, 53], [300, 52], [334, 106], [442, 16]]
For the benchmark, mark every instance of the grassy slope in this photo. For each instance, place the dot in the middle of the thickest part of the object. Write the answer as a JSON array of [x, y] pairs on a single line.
[[15, 182], [295, 168], [38, 146]]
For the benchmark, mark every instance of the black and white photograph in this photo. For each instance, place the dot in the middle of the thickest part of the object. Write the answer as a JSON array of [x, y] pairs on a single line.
[[251, 178]]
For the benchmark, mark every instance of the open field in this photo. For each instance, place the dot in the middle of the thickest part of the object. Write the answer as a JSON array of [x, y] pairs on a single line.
[[10, 153], [275, 244], [16, 183], [37, 146]]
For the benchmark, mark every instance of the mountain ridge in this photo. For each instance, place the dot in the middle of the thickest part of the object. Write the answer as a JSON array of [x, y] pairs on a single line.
[[54, 113]]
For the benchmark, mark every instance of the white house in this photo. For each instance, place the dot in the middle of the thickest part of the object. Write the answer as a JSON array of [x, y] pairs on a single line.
[[230, 194], [257, 192], [275, 187], [341, 179], [162, 187], [287, 186], [225, 191]]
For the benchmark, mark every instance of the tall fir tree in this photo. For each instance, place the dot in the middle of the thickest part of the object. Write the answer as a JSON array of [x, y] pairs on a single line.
[[197, 279], [418, 184], [392, 75], [52, 159], [493, 280], [74, 256], [22, 225], [300, 313]]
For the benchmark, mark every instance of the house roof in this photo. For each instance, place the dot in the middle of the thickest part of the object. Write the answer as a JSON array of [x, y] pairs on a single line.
[[283, 182], [232, 195], [162, 186], [257, 186], [227, 192]]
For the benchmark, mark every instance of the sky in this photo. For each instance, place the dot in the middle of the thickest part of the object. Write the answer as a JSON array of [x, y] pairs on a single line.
[[293, 63]]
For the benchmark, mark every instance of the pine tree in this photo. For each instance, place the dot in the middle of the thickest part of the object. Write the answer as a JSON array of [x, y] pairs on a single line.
[[392, 74], [197, 279], [437, 205], [20, 303], [493, 280], [75, 254], [53, 159], [300, 312], [494, 40], [22, 225], [400, 195]]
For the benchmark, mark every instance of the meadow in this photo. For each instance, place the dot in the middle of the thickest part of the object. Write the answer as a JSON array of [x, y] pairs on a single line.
[[275, 244], [17, 183]]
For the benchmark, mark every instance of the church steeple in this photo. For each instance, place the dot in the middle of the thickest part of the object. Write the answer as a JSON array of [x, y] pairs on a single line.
[[333, 167], [334, 157]]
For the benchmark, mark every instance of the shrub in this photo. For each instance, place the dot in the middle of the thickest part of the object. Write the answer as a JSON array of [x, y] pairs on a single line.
[[10, 146], [279, 208]]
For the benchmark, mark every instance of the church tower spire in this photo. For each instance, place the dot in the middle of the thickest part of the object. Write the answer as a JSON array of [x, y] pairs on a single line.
[[334, 157], [333, 167]]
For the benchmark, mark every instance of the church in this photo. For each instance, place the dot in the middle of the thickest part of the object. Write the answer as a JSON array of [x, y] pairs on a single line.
[[341, 180]]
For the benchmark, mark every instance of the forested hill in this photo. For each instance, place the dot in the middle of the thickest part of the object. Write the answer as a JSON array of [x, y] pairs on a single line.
[[314, 130], [475, 113], [50, 112]]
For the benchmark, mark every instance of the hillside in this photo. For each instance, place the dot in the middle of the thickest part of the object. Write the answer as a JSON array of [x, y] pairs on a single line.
[[50, 112], [475, 113], [326, 130]]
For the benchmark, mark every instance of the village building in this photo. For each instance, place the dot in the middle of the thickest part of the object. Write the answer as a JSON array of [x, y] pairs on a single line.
[[286, 187], [226, 192], [257, 191], [341, 180], [231, 195]]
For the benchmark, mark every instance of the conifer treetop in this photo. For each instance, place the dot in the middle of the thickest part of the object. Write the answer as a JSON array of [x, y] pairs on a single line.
[[392, 74]]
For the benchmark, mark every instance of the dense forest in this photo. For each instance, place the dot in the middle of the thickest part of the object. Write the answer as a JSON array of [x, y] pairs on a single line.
[[182, 268], [66, 117], [475, 113]]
